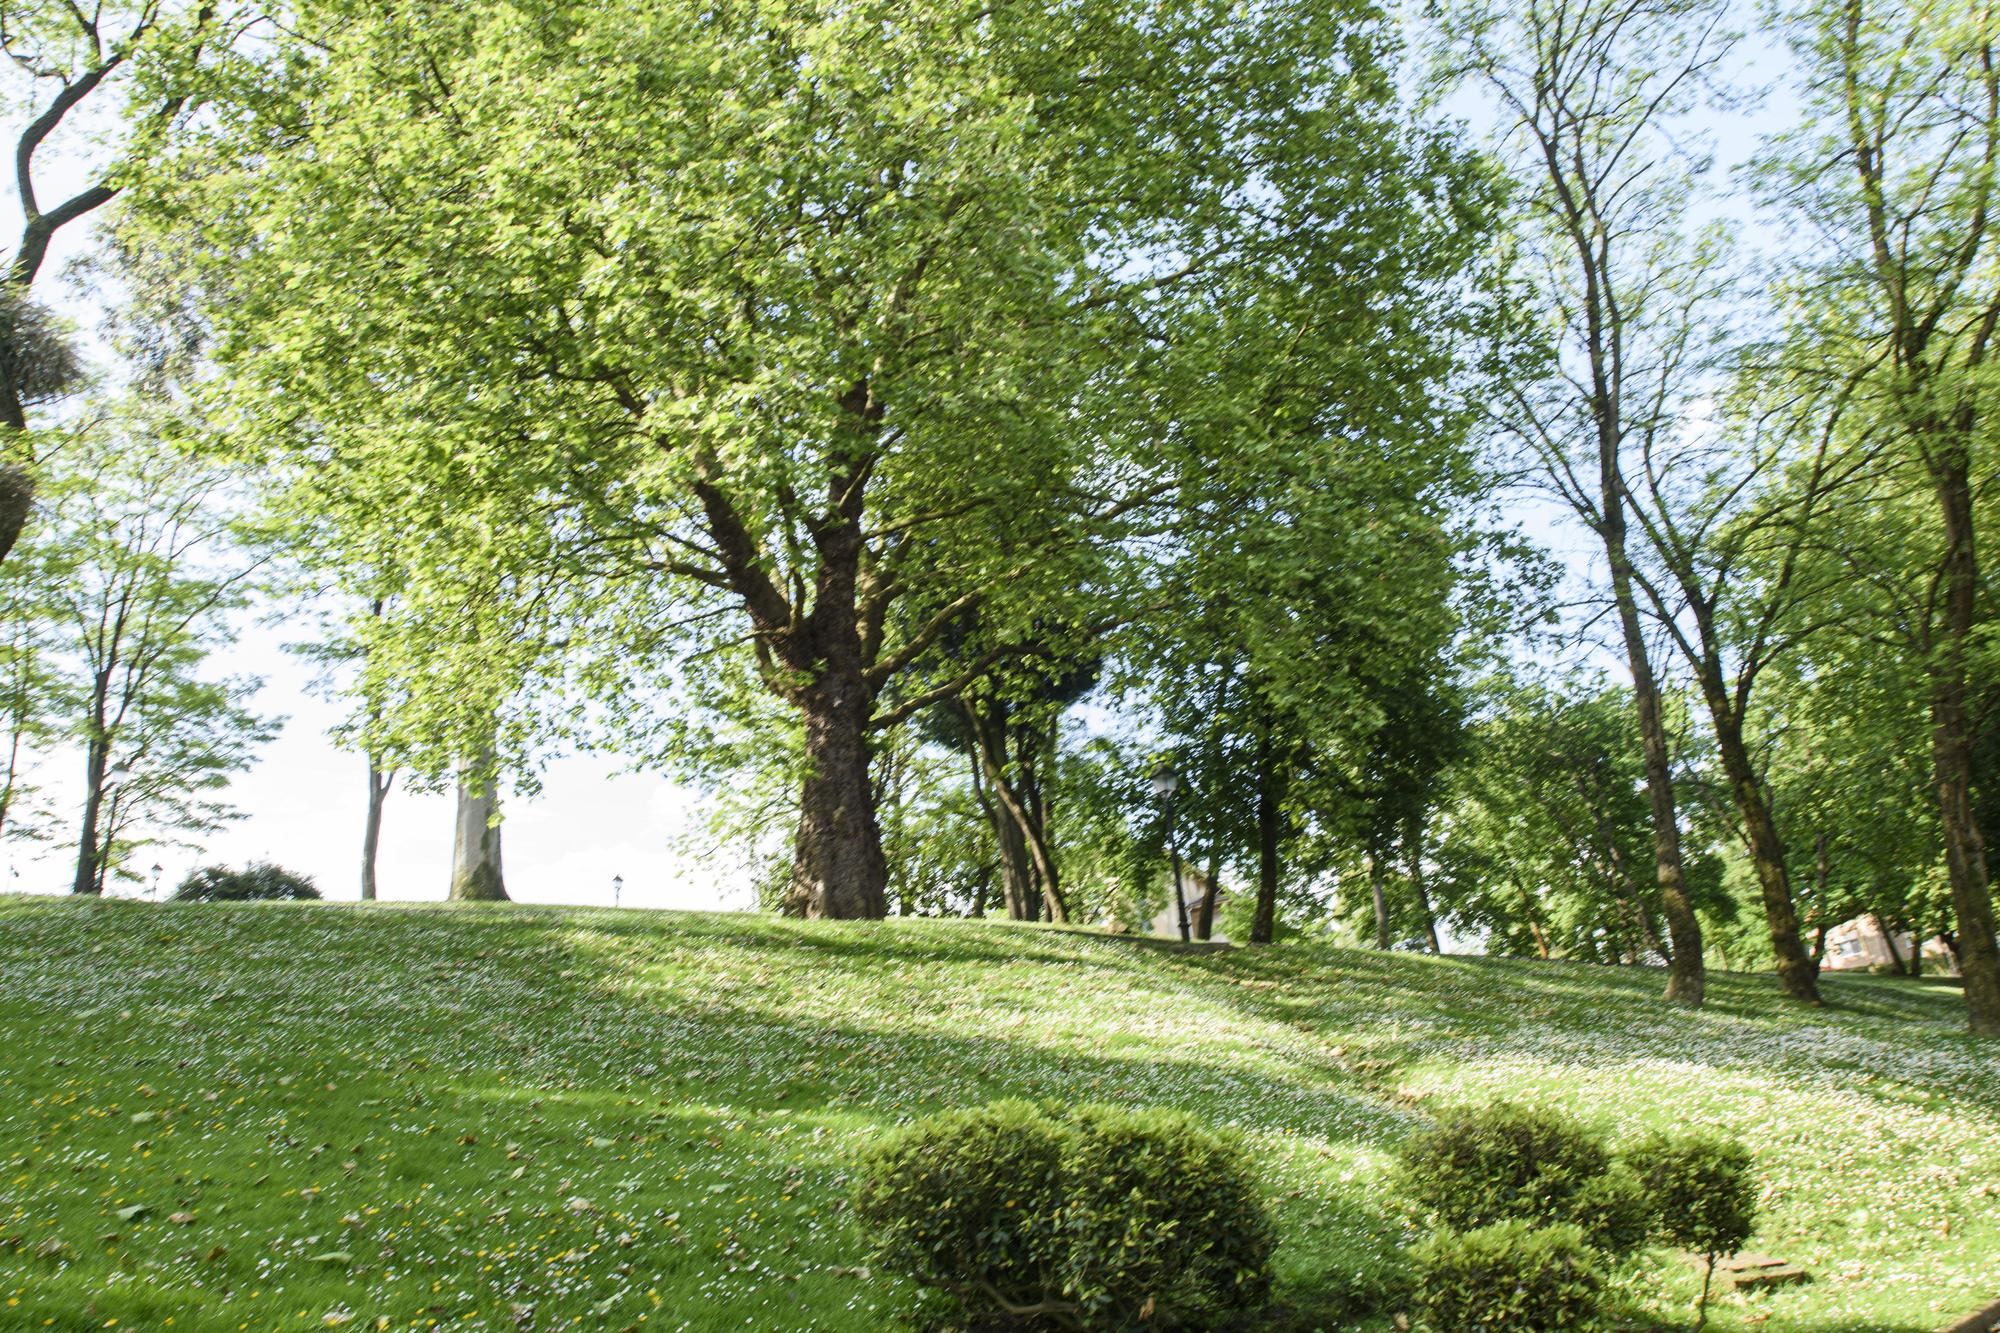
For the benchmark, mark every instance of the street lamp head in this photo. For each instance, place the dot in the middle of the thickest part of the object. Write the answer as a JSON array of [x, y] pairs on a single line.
[[119, 771], [617, 885], [1165, 780]]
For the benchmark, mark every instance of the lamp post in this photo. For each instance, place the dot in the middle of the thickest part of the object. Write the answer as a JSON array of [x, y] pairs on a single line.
[[1165, 783], [617, 888], [154, 894]]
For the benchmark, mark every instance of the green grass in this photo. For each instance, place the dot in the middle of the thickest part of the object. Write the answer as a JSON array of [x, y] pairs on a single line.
[[508, 1117]]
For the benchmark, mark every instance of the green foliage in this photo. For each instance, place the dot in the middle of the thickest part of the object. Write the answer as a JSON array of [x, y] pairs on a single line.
[[1161, 1211], [969, 1201], [1510, 1277], [1100, 1217], [259, 882], [1505, 1162], [1700, 1188]]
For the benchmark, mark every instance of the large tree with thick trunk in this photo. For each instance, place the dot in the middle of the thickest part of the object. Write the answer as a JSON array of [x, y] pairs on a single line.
[[791, 335]]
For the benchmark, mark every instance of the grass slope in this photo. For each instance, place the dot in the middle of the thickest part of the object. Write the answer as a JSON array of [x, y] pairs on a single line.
[[299, 1116]]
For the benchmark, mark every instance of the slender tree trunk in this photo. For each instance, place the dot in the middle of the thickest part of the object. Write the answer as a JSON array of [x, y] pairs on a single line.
[[1951, 750], [1413, 852], [1270, 830], [1042, 857], [1017, 873], [1204, 917], [1686, 978], [475, 858], [89, 856], [371, 830], [1796, 973], [1896, 962], [1378, 871]]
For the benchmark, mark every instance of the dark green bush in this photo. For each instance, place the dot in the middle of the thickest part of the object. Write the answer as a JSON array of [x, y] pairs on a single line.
[[1098, 1218], [1510, 1277], [1699, 1186], [1702, 1195], [1159, 1208], [1504, 1162], [1613, 1211], [967, 1201], [260, 882]]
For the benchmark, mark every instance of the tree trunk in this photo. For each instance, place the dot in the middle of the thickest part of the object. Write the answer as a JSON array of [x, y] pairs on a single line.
[[1413, 852], [1377, 872], [1263, 925], [1896, 963], [371, 830], [475, 858], [1204, 916], [17, 501], [1951, 751], [1011, 804], [1017, 874], [1686, 977], [838, 872], [1796, 973], [90, 856]]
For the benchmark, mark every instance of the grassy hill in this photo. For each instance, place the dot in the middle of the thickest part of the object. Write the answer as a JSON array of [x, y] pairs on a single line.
[[300, 1116]]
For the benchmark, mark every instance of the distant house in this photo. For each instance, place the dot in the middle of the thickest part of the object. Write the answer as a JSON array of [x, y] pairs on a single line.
[[1194, 884], [1860, 944]]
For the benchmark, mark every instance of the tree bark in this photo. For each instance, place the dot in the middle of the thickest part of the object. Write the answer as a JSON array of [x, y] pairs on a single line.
[[1687, 981], [89, 855], [1951, 749], [1017, 875], [838, 871], [475, 859], [1796, 973], [1413, 852], [1896, 962], [1377, 872], [1204, 910], [17, 501], [1031, 833], [1263, 925], [371, 831]]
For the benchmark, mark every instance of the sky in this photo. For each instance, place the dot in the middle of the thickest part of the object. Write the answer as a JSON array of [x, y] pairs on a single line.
[[302, 803]]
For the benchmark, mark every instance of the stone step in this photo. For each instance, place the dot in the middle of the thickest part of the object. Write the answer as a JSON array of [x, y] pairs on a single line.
[[1781, 1275]]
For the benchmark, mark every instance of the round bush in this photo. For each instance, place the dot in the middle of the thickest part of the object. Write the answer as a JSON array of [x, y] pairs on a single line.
[[1478, 1166], [1158, 1208], [1099, 1218], [1510, 1277], [967, 1201], [1612, 1211], [1702, 1195], [258, 883]]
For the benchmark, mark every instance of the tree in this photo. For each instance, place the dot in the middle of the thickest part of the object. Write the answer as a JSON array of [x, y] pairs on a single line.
[[70, 58], [1891, 325], [1590, 93], [33, 692], [834, 327], [145, 579]]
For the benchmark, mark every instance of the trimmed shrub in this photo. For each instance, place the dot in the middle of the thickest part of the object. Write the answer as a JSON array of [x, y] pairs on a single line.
[[1097, 1218], [1510, 1277], [1160, 1209], [262, 882], [1702, 1196], [967, 1201], [1613, 1211], [1505, 1162]]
